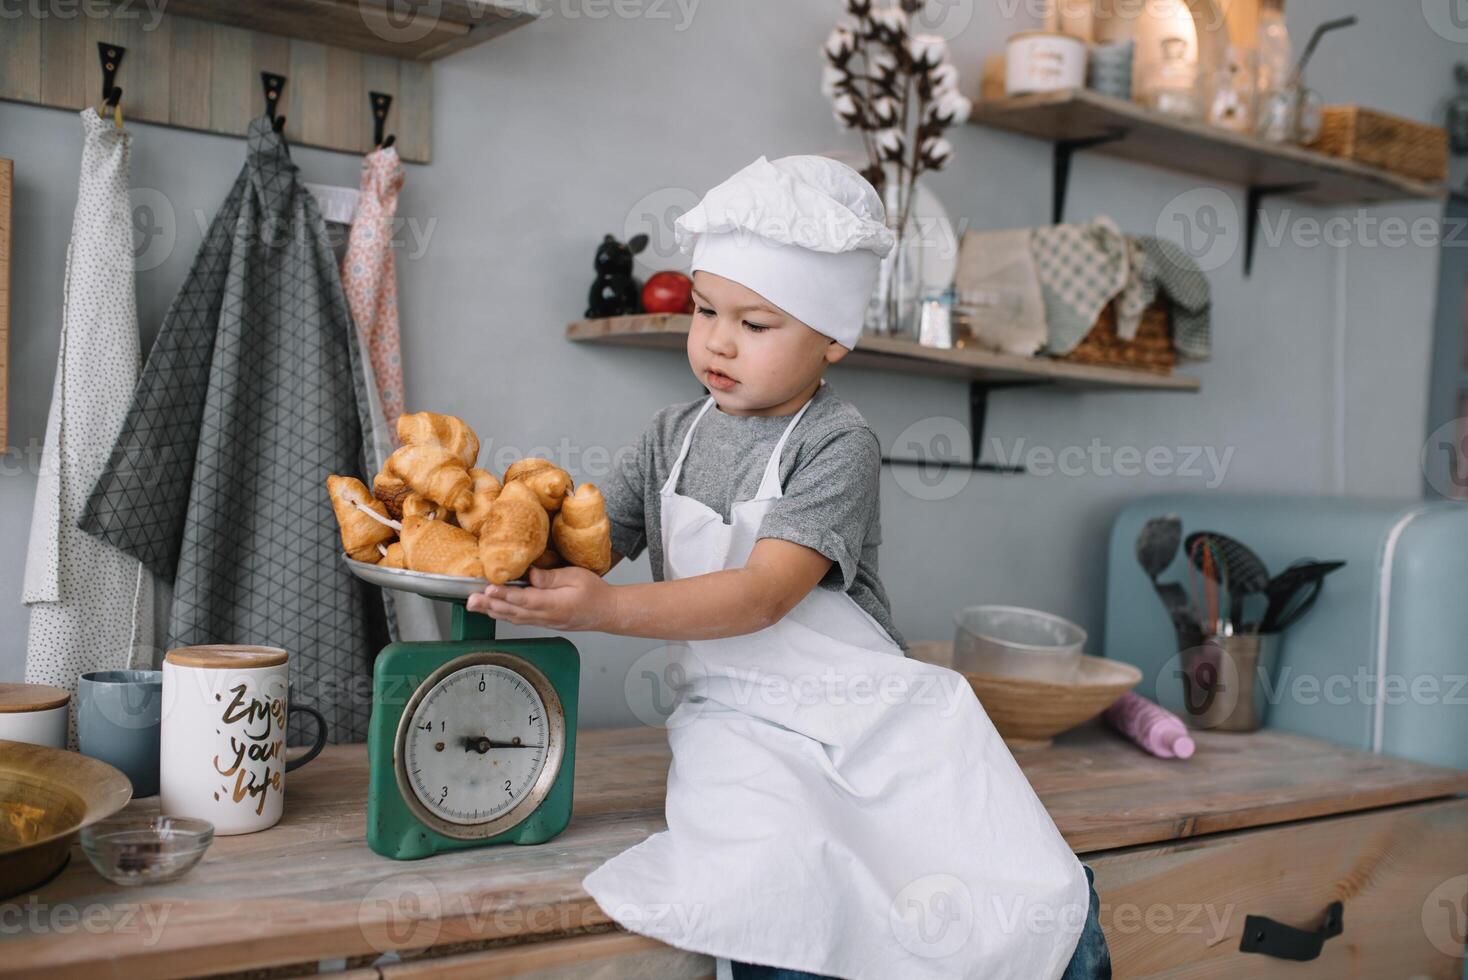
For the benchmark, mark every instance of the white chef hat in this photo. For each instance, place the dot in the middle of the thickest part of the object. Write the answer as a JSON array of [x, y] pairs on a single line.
[[805, 232]]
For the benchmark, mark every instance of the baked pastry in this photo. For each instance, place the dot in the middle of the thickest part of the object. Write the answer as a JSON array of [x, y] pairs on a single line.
[[393, 556], [417, 505], [486, 489], [549, 481], [548, 559], [434, 472], [581, 531], [514, 535], [391, 490], [433, 429], [440, 548], [360, 534]]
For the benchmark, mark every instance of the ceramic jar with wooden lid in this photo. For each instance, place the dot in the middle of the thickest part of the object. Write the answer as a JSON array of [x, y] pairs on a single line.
[[34, 713], [222, 754]]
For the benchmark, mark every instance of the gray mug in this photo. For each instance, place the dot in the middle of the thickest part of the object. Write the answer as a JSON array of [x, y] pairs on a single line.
[[118, 720]]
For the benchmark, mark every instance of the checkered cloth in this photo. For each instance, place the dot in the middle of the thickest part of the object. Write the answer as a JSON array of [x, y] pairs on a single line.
[[1174, 273], [1081, 268]]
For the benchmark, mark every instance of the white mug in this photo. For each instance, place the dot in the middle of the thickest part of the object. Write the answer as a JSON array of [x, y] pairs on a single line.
[[1039, 61], [34, 713], [222, 746]]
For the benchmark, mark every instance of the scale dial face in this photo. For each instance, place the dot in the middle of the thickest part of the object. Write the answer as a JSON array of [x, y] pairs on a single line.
[[479, 745]]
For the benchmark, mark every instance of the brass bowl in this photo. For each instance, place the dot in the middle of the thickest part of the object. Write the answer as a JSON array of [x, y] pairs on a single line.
[[46, 796], [1028, 712]]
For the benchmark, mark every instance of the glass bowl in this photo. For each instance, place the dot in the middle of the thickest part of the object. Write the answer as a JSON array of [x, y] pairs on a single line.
[[141, 850], [1010, 641]]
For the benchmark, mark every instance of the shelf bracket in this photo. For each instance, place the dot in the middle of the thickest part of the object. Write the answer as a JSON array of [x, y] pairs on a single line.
[[1064, 150], [978, 410], [1254, 200]]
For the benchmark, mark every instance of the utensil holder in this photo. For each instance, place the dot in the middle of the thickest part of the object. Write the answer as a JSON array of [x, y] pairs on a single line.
[[1227, 681]]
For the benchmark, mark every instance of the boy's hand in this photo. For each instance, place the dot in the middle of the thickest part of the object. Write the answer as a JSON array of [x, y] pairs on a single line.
[[559, 599]]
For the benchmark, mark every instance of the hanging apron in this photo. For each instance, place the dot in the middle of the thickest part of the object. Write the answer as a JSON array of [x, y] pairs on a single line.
[[369, 278], [250, 398], [834, 806], [91, 605]]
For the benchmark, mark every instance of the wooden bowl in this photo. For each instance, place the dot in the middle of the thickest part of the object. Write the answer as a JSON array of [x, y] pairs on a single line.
[[46, 796], [1029, 712]]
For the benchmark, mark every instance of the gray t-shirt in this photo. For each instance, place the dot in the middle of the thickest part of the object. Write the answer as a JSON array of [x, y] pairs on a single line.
[[829, 472]]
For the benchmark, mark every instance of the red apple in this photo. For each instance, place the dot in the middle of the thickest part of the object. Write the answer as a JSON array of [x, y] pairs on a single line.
[[668, 292]]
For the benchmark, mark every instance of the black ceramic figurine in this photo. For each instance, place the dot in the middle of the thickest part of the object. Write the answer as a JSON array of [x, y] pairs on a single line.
[[615, 292]]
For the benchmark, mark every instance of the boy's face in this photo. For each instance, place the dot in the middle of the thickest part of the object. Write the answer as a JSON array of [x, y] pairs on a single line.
[[754, 358]]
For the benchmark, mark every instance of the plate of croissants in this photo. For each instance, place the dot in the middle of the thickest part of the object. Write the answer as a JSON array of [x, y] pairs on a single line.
[[435, 523]]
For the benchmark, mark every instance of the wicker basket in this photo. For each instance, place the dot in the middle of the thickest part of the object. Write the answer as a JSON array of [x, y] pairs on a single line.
[[1402, 146], [1150, 350]]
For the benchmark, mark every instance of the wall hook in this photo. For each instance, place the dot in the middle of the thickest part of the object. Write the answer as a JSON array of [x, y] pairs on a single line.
[[274, 85], [110, 55], [381, 103]]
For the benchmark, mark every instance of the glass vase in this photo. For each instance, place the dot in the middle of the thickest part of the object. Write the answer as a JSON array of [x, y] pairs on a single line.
[[893, 309]]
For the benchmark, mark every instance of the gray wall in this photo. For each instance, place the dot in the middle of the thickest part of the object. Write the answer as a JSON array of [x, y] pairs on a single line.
[[548, 138]]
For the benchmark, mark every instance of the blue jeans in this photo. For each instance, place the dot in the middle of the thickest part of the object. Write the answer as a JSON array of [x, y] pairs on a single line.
[[1090, 961]]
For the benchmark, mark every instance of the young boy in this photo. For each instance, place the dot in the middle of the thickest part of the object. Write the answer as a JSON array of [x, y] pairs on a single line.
[[834, 808]]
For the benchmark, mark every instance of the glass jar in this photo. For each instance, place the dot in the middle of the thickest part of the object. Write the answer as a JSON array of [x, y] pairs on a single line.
[[1173, 85]]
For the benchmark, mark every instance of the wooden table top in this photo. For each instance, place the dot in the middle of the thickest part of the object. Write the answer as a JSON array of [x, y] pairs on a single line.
[[309, 888]]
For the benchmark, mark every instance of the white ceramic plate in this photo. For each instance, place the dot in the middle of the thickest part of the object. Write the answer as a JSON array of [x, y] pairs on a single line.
[[936, 235], [423, 583]]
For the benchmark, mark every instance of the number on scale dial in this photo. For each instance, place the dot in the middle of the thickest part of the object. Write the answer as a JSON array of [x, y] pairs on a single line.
[[476, 744]]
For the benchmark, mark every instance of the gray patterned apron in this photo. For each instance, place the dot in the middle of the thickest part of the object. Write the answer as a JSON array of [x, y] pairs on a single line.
[[250, 397]]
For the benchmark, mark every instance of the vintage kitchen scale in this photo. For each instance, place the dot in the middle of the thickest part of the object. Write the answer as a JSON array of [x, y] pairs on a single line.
[[472, 740]]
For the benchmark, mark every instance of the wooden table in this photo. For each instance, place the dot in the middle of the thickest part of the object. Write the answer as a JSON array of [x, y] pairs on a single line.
[[1269, 824]]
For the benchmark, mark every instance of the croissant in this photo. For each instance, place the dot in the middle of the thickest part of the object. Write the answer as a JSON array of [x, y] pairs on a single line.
[[514, 535], [486, 490], [548, 559], [434, 472], [393, 558], [549, 481], [433, 429], [391, 490], [360, 534], [581, 531], [434, 546], [417, 505]]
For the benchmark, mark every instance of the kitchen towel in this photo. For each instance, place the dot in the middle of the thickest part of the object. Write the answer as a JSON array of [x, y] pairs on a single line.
[[1081, 268], [370, 277], [91, 604], [999, 291], [249, 399], [1179, 278]]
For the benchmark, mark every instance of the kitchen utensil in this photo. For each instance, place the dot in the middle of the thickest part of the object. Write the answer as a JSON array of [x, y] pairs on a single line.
[[423, 583], [118, 720], [1041, 61], [34, 713], [1227, 681], [144, 849], [222, 744], [1016, 642], [1151, 726], [1292, 592], [1029, 711], [472, 740], [1157, 545], [46, 796], [1239, 569]]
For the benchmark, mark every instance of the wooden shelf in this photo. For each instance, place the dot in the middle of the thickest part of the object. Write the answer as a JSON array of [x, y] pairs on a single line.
[[669, 332], [1195, 148], [372, 26]]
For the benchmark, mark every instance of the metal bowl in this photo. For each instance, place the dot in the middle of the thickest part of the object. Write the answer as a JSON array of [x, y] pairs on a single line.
[[46, 796], [423, 583]]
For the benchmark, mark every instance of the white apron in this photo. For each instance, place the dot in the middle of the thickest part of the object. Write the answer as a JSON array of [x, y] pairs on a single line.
[[91, 605], [834, 806]]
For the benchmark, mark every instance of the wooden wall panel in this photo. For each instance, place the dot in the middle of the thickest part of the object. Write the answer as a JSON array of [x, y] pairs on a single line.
[[7, 179], [202, 75]]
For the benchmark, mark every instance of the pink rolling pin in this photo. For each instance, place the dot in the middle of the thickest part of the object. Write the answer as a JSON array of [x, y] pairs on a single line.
[[1151, 726]]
